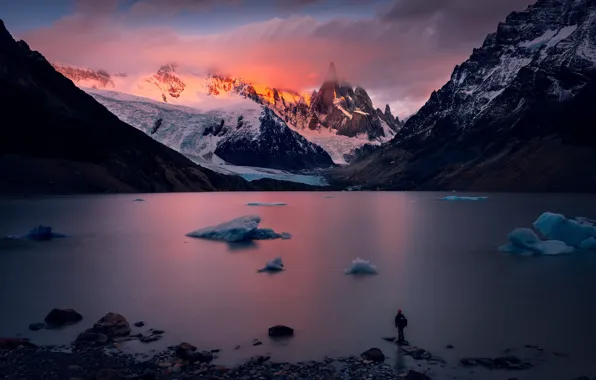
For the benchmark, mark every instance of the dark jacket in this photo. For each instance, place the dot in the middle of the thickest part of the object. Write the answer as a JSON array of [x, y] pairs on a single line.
[[401, 321]]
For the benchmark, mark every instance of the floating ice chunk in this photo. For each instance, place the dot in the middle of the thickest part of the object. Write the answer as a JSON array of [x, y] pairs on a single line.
[[39, 233], [360, 266], [274, 265], [589, 243], [558, 227], [244, 228], [458, 198], [266, 204], [139, 200], [524, 241]]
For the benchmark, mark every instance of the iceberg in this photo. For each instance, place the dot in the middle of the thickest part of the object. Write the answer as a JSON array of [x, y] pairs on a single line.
[[524, 241], [274, 265], [39, 233], [360, 266], [458, 198], [266, 204], [571, 231], [244, 228], [588, 244]]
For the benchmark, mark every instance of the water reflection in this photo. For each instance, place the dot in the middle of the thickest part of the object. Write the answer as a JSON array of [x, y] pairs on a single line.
[[436, 260]]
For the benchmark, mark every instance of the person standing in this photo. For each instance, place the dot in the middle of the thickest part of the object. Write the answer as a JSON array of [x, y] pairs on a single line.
[[400, 323]]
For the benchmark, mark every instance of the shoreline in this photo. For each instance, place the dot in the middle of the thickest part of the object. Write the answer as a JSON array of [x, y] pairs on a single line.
[[97, 354], [95, 363]]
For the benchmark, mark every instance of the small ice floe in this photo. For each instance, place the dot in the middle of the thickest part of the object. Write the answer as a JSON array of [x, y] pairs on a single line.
[[244, 228], [139, 200], [39, 233], [524, 241], [266, 204], [360, 266], [274, 265], [579, 232], [462, 198]]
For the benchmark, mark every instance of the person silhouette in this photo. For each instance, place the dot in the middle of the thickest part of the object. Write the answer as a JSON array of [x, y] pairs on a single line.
[[400, 323]]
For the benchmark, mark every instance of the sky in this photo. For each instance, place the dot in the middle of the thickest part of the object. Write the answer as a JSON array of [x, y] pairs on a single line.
[[398, 50]]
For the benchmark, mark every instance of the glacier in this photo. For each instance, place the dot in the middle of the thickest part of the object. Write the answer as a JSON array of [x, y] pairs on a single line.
[[571, 231], [524, 241], [244, 228], [360, 266], [197, 131]]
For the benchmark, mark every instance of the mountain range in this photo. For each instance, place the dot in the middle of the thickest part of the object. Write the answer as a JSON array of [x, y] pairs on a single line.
[[518, 115], [337, 118], [58, 139]]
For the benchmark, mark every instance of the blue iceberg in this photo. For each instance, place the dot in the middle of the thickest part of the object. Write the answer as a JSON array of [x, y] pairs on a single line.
[[360, 266], [524, 241], [274, 265], [462, 198], [244, 228], [39, 233], [571, 231]]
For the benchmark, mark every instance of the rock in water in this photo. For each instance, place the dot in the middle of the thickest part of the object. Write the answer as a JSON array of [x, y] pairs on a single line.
[[113, 325], [280, 331], [61, 317], [187, 351], [374, 354]]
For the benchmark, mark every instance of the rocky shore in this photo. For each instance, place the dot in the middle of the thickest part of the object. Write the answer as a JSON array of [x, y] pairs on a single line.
[[96, 355]]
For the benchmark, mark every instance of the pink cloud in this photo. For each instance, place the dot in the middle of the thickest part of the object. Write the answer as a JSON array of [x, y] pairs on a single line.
[[398, 61]]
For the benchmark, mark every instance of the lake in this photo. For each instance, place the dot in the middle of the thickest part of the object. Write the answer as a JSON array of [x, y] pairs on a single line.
[[437, 260]]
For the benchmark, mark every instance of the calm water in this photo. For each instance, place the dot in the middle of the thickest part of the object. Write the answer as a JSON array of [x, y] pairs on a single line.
[[437, 261]]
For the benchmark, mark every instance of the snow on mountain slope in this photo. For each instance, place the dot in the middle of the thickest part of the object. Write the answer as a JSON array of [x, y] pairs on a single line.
[[553, 38], [348, 114], [221, 124]]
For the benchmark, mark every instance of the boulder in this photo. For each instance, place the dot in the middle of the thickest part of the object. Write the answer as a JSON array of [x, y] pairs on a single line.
[[280, 331], [61, 317], [139, 324], [12, 343], [112, 325], [374, 354], [187, 351]]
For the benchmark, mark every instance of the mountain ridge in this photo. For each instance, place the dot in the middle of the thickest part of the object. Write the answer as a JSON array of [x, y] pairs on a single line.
[[56, 139], [503, 117]]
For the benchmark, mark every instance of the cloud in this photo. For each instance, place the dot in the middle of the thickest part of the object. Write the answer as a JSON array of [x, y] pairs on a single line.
[[400, 57]]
